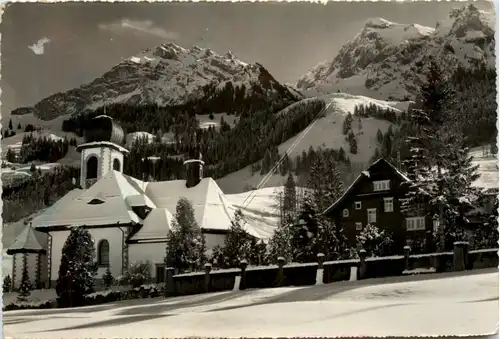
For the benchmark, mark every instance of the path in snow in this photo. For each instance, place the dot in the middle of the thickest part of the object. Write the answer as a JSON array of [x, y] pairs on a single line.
[[446, 304]]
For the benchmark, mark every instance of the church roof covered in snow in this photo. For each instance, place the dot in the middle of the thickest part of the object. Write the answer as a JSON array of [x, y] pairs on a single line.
[[111, 201], [27, 242], [156, 225]]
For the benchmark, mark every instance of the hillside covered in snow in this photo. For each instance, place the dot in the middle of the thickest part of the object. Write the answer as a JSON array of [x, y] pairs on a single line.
[[386, 60], [326, 132]]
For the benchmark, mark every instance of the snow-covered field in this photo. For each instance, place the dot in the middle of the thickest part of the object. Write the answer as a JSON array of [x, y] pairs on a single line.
[[450, 304]]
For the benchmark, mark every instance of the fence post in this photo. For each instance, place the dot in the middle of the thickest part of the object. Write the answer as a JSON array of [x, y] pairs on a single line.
[[466, 256], [243, 267], [208, 268], [281, 277], [458, 256], [320, 272], [362, 263], [407, 257], [169, 282]]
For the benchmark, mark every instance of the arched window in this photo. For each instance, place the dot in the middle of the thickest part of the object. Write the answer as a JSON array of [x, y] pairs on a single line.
[[103, 253], [345, 213], [116, 165], [92, 167]]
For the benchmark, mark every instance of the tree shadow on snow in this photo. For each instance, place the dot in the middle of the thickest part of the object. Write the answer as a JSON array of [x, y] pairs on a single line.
[[112, 322], [170, 304]]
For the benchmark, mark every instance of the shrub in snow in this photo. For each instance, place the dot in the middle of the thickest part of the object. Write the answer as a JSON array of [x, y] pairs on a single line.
[[376, 242], [107, 278], [7, 284], [30, 305], [77, 269], [25, 287], [139, 273]]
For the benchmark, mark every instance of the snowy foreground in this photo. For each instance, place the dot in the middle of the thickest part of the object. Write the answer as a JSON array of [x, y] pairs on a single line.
[[446, 304]]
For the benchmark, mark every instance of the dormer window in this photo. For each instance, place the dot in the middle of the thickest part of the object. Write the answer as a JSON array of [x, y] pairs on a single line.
[[96, 201], [382, 185], [345, 213]]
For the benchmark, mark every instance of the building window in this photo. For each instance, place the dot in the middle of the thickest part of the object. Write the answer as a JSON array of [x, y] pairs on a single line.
[[415, 223], [382, 185], [103, 253], [357, 205], [359, 226], [388, 205], [372, 215], [92, 167], [345, 213], [116, 165]]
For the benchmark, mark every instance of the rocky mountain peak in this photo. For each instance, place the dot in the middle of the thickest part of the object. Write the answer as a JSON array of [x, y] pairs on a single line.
[[384, 59], [165, 75]]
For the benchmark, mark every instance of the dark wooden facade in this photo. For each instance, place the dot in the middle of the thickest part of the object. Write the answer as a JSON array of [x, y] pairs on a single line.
[[362, 197]]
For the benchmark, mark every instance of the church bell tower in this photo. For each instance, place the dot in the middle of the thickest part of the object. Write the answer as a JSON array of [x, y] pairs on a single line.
[[102, 151]]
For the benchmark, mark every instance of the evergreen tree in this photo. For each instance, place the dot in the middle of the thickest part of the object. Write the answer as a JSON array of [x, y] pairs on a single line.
[[324, 181], [440, 166], [19, 126], [280, 244], [10, 124], [353, 144], [107, 278], [237, 245], [25, 287], [7, 284], [77, 269], [380, 136], [185, 240], [290, 198], [10, 156], [326, 240]]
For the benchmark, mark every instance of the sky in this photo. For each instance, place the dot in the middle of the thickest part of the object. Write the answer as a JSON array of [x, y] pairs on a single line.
[[52, 47]]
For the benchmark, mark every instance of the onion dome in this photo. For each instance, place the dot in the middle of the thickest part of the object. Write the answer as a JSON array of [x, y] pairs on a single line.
[[104, 128]]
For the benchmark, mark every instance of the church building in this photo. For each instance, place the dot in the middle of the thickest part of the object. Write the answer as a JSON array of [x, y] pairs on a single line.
[[128, 219]]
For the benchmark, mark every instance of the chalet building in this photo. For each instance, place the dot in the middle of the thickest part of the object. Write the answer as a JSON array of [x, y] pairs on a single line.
[[376, 197], [128, 219]]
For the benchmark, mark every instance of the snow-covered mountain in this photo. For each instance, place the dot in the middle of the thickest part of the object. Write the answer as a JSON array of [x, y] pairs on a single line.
[[385, 60], [168, 75]]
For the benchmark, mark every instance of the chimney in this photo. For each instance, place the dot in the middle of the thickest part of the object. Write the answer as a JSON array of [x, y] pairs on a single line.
[[194, 165], [194, 171]]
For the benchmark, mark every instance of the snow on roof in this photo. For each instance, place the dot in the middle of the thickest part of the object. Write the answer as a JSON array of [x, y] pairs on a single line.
[[156, 225], [102, 143], [212, 210], [26, 241], [113, 190]]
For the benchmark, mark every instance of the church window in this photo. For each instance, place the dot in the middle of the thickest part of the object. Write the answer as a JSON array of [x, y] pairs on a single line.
[[103, 253], [116, 165], [92, 167]]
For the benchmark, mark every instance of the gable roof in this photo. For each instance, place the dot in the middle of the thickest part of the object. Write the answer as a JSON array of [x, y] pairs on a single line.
[[27, 241], [363, 174], [74, 209], [156, 225]]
